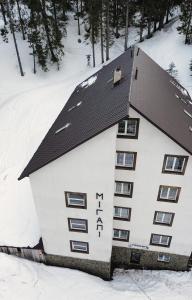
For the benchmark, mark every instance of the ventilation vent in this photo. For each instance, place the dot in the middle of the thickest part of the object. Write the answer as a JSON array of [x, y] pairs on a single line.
[[62, 128], [136, 74]]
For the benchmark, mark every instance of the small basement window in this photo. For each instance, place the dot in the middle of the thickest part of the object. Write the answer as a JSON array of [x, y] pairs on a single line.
[[163, 257], [62, 128]]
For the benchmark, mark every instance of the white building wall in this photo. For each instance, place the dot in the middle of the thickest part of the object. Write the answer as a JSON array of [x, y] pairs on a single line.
[[89, 169], [151, 146]]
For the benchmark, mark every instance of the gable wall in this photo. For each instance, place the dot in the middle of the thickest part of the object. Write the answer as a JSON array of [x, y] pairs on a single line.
[[88, 169]]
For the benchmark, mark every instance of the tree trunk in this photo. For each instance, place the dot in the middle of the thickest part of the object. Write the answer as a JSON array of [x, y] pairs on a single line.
[[93, 44], [44, 15], [101, 32], [3, 13], [117, 22], [14, 38], [20, 20], [126, 26], [78, 21], [107, 30], [34, 61], [188, 27], [55, 13]]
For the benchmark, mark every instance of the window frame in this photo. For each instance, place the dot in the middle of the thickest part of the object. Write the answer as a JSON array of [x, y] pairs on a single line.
[[120, 218], [167, 199], [76, 206], [123, 167], [78, 230], [162, 260], [127, 136], [119, 239], [160, 245], [121, 194], [79, 251], [166, 156], [155, 222]]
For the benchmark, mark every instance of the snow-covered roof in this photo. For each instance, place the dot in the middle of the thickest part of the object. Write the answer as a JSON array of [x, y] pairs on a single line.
[[95, 105]]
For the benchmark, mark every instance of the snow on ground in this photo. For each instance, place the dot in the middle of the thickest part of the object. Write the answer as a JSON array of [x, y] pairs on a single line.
[[30, 104], [25, 280]]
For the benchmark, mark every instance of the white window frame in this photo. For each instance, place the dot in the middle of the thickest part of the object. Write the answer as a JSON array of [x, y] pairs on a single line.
[[163, 217], [126, 121], [79, 246], [73, 225], [160, 240], [163, 257], [119, 237], [122, 183], [174, 163], [120, 215], [168, 192], [76, 202], [124, 165]]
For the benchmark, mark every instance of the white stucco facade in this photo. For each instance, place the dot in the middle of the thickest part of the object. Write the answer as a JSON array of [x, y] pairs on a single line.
[[151, 146], [88, 169]]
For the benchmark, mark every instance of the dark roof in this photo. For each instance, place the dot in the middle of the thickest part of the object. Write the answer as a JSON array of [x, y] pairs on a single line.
[[92, 108], [102, 106], [162, 100]]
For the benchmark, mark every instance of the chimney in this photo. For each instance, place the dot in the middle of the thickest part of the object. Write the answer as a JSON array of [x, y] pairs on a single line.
[[117, 76]]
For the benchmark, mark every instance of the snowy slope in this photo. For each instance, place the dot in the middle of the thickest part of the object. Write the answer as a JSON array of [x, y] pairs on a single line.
[[30, 104], [24, 280]]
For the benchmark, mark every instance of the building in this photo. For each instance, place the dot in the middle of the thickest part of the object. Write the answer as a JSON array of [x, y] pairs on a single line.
[[112, 178]]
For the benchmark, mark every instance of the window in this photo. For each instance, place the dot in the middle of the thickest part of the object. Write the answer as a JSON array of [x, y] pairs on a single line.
[[77, 246], [126, 160], [163, 257], [121, 235], [123, 189], [174, 164], [128, 128], [168, 193], [163, 218], [77, 225], [122, 213], [160, 240], [76, 200]]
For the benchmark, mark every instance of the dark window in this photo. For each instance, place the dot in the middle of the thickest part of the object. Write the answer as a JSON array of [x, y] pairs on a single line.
[[123, 189], [135, 257], [76, 200], [126, 160], [121, 235], [160, 240], [168, 193], [78, 225], [78, 246], [128, 128], [163, 257], [174, 164], [122, 213], [163, 218]]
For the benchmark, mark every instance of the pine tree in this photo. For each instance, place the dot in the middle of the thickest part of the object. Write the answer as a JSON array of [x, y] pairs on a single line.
[[186, 21], [172, 70]]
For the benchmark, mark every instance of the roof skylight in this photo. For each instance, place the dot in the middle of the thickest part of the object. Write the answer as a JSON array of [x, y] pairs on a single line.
[[188, 113], [62, 128]]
